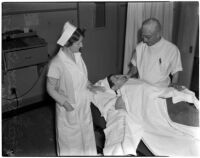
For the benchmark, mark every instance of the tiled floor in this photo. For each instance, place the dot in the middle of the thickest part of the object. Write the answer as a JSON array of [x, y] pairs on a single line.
[[31, 131]]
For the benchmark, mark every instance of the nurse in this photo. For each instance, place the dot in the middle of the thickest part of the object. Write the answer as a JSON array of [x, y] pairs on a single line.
[[155, 58], [68, 85]]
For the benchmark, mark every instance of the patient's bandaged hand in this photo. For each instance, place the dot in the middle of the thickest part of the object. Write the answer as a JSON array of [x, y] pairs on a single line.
[[120, 104]]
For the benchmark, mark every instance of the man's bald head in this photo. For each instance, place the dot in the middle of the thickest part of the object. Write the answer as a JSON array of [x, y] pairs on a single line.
[[152, 24], [151, 31]]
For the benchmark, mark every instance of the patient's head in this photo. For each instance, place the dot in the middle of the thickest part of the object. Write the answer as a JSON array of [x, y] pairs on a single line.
[[116, 81]]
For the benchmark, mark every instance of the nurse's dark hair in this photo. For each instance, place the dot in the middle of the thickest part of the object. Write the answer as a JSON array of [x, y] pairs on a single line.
[[75, 36]]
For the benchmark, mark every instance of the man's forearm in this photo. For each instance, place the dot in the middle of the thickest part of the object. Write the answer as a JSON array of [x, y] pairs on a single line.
[[132, 71], [175, 81], [175, 78]]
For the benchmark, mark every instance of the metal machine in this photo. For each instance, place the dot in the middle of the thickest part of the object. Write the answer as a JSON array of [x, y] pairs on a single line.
[[24, 60]]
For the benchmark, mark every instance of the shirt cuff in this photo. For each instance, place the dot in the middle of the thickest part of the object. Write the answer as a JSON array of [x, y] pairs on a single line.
[[176, 70]]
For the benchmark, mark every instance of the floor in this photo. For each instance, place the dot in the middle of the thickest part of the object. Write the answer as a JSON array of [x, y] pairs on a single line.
[[29, 131]]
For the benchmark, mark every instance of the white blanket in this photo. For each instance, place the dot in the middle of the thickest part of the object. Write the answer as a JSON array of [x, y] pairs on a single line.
[[147, 119], [119, 128]]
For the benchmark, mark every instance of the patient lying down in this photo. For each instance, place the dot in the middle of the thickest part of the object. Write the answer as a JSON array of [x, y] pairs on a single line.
[[135, 110], [113, 108]]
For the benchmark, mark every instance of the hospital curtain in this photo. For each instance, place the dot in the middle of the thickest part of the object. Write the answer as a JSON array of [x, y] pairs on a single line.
[[137, 12]]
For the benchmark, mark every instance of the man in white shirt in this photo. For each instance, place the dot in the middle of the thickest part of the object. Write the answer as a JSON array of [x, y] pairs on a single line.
[[155, 58]]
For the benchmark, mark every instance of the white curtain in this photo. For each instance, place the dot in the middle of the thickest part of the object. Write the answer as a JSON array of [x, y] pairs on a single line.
[[137, 12]]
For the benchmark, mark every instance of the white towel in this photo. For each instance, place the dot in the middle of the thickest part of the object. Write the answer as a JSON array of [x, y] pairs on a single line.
[[185, 95], [178, 96]]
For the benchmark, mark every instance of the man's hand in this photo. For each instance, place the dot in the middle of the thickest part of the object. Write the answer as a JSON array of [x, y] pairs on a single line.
[[177, 87], [68, 106], [120, 104], [133, 72]]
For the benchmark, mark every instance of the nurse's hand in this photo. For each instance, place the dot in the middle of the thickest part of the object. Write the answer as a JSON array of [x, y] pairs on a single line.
[[126, 77], [95, 89], [68, 106]]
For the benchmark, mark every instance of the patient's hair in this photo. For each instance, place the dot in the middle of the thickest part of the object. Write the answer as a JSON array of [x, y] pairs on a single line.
[[75, 36], [111, 84]]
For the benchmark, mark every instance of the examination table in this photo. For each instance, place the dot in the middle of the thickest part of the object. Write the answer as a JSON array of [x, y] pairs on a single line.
[[182, 113]]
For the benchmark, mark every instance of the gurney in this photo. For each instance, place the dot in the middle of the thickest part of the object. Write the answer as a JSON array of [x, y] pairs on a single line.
[[169, 122]]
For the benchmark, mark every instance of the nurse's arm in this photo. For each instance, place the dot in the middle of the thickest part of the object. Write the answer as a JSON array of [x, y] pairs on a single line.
[[175, 81], [94, 89], [52, 85]]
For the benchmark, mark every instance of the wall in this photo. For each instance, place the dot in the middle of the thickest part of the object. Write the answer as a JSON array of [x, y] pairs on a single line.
[[46, 19], [122, 14], [186, 40], [176, 18], [191, 67], [100, 44]]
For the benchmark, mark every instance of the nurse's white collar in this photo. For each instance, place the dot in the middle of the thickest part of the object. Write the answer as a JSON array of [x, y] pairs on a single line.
[[65, 57]]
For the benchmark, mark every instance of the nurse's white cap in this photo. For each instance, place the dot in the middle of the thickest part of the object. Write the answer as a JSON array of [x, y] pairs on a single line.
[[68, 30]]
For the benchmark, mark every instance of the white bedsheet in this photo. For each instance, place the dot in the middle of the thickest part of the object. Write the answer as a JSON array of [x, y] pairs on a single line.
[[147, 119]]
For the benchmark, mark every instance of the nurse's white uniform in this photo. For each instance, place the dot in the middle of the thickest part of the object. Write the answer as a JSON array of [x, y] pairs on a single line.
[[75, 134], [156, 62]]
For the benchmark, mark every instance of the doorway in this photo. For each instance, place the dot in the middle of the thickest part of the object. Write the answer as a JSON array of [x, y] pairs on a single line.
[[187, 39], [195, 73]]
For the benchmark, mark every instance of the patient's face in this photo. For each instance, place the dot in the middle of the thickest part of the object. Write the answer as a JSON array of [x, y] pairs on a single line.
[[118, 81]]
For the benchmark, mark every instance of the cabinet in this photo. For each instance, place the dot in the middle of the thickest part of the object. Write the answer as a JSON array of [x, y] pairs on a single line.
[[25, 60]]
